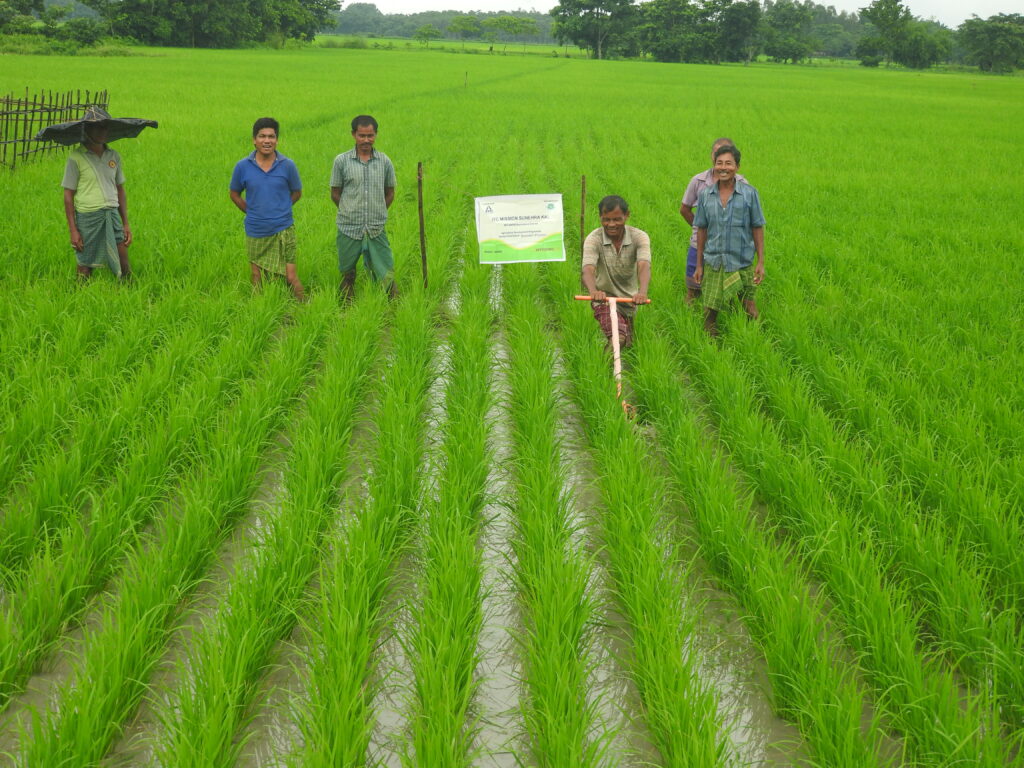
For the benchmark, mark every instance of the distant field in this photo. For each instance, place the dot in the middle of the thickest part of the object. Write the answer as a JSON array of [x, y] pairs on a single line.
[[239, 531], [552, 50]]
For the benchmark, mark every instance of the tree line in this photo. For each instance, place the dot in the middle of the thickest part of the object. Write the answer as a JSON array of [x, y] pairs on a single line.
[[192, 24], [365, 19], [666, 30], [785, 30]]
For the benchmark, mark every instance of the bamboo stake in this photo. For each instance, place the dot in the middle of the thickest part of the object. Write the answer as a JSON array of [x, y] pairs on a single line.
[[423, 240]]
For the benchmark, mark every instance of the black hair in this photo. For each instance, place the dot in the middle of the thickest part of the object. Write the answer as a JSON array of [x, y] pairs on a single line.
[[610, 203], [729, 149], [265, 122], [359, 120]]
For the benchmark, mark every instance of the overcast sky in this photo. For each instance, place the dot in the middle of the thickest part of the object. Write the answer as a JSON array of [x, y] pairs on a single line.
[[949, 12]]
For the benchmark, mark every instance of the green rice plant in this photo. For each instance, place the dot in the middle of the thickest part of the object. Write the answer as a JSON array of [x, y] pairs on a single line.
[[348, 609], [551, 574], [922, 700], [791, 624], [991, 526], [446, 613], [64, 470], [230, 653], [681, 712], [56, 585], [981, 640], [45, 404], [130, 635]]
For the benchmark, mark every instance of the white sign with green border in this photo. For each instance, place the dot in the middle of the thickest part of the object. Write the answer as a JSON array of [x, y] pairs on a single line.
[[515, 228]]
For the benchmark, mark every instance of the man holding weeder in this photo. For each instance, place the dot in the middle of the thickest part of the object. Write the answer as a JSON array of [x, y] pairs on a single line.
[[616, 262], [730, 240], [363, 188]]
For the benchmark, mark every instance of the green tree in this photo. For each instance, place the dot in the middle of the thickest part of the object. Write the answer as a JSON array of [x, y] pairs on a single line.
[[788, 31], [426, 33], [923, 44], [360, 19], [464, 26], [593, 24], [738, 26], [214, 23], [891, 20], [995, 44]]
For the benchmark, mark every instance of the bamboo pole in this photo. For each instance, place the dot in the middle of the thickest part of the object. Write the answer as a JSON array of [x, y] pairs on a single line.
[[423, 240]]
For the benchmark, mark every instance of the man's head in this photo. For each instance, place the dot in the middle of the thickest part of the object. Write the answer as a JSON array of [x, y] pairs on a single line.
[[614, 212], [265, 122], [727, 162], [718, 143], [96, 133], [359, 120], [264, 136], [364, 131]]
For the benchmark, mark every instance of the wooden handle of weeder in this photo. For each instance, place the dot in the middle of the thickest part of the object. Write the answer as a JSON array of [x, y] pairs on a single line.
[[621, 301]]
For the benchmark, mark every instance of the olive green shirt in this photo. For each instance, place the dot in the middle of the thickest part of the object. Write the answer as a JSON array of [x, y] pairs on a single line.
[[95, 178], [615, 272]]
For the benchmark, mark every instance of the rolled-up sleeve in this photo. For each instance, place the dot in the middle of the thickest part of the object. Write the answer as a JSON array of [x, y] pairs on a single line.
[[643, 245]]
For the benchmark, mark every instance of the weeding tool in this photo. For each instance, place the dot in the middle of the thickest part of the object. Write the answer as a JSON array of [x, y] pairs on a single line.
[[628, 409]]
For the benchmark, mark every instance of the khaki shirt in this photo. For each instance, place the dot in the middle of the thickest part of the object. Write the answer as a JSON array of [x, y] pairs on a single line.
[[615, 273]]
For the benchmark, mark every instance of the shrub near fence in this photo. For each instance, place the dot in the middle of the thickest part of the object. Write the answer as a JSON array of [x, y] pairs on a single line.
[[21, 119]]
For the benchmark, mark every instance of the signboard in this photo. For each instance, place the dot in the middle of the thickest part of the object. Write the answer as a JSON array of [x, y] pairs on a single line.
[[517, 228]]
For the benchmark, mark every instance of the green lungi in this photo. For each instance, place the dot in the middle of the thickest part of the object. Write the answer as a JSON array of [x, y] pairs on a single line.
[[719, 287], [376, 253], [101, 232], [273, 252]]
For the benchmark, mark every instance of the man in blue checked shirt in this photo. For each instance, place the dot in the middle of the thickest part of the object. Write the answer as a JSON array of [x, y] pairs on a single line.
[[730, 240], [363, 188]]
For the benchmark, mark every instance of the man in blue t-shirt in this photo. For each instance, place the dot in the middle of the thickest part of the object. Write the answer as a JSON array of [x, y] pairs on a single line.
[[270, 184]]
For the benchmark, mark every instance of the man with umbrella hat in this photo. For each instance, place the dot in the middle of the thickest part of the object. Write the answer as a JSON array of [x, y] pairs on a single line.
[[95, 203]]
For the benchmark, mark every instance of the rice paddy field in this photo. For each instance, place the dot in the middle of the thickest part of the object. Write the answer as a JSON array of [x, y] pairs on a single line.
[[240, 531]]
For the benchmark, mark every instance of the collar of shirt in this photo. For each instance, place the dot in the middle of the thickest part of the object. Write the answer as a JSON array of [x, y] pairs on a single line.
[[278, 157], [354, 154], [627, 239]]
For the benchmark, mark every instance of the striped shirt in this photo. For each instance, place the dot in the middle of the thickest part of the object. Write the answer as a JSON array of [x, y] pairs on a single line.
[[362, 210], [615, 271]]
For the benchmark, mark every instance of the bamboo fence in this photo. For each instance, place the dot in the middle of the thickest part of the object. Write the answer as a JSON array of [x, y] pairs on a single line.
[[21, 118]]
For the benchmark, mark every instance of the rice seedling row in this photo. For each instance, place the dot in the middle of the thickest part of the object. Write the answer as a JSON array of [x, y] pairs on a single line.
[[979, 437], [811, 682], [49, 408], [120, 653], [681, 711], [921, 699], [980, 636], [64, 471], [990, 525], [446, 614], [552, 576], [57, 583], [227, 657], [346, 619]]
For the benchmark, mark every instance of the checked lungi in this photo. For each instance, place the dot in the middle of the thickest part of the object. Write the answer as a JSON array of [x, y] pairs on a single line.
[[603, 315], [101, 232], [273, 252], [718, 287]]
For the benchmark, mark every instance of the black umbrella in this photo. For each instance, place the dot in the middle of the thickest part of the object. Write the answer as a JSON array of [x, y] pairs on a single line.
[[74, 131]]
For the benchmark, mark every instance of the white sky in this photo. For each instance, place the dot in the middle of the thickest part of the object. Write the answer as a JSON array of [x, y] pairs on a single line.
[[949, 12]]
